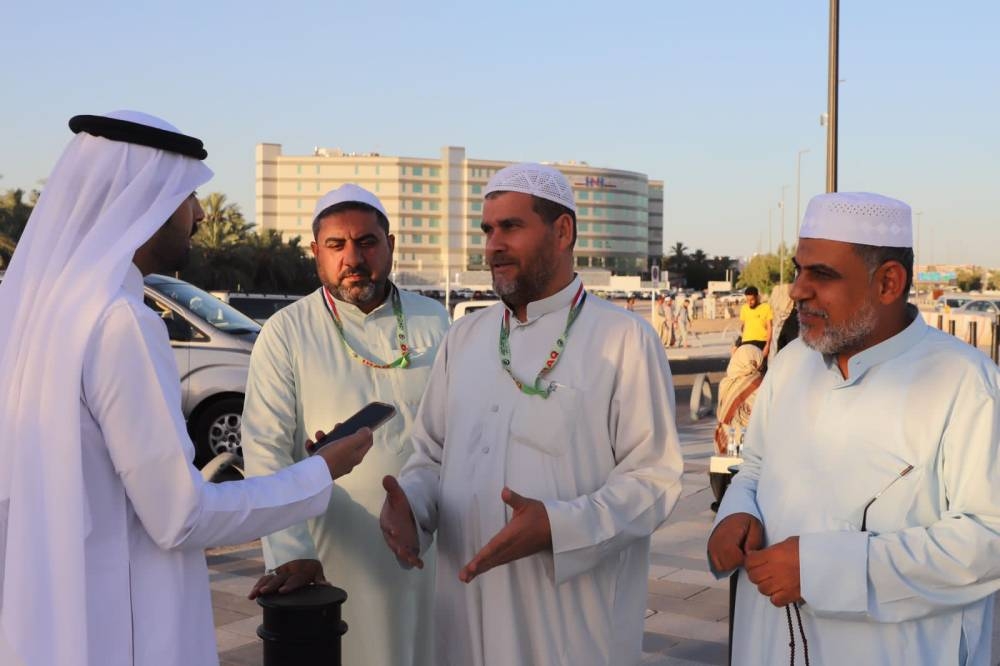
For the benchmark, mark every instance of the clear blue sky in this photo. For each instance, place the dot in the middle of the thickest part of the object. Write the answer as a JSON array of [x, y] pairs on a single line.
[[715, 98]]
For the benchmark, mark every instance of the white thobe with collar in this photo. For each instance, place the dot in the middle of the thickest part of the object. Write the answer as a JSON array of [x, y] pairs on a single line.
[[601, 452], [303, 379], [148, 600], [915, 588]]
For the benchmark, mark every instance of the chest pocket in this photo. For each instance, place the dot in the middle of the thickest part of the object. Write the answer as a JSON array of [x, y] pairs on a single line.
[[548, 424]]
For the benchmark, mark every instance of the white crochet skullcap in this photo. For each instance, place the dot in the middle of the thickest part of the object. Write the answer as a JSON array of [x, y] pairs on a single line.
[[537, 179], [348, 192], [858, 217]]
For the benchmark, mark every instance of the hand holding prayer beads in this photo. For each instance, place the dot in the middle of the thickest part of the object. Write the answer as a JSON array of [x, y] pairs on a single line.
[[528, 532], [775, 572]]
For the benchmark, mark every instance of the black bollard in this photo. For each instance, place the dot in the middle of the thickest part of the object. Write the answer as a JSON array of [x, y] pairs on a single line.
[[303, 628], [973, 334], [951, 327]]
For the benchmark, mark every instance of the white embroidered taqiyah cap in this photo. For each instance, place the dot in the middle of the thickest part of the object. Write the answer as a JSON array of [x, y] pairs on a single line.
[[537, 179], [858, 217], [345, 193]]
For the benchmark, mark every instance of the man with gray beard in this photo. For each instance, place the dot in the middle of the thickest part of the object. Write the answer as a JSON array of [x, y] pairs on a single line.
[[868, 505], [545, 453]]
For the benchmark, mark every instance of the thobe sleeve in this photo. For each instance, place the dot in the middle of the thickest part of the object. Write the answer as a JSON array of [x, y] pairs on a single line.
[[924, 570], [130, 384], [269, 422], [741, 495], [420, 476], [645, 482]]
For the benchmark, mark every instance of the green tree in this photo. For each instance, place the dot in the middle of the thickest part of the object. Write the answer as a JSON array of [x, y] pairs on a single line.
[[14, 214], [762, 271], [970, 279]]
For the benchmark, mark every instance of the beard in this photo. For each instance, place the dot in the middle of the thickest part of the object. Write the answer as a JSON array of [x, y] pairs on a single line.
[[530, 281], [359, 293], [839, 339]]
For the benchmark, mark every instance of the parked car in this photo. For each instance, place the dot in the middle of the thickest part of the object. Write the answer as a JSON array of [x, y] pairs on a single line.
[[258, 307], [950, 302], [468, 307], [981, 306], [211, 342]]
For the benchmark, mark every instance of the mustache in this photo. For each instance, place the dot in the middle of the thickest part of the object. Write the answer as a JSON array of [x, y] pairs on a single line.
[[355, 272], [500, 259], [803, 310]]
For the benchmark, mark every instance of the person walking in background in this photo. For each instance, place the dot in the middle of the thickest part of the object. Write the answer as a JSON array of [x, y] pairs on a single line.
[[755, 321], [682, 320]]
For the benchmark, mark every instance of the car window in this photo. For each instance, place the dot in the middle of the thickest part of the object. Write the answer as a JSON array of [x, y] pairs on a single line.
[[259, 308], [178, 328], [208, 307]]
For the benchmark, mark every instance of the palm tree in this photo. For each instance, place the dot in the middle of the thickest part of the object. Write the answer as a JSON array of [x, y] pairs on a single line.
[[223, 226], [679, 252]]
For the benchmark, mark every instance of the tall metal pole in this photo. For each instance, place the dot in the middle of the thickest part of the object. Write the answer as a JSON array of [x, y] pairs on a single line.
[[832, 85], [798, 189], [770, 244], [781, 248]]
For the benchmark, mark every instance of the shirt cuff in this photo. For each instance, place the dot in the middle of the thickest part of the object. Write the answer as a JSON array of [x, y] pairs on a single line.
[[844, 552]]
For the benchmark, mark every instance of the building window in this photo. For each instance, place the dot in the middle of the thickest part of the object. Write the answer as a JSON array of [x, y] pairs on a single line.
[[433, 239], [402, 188], [378, 169], [476, 189], [418, 188], [434, 223], [298, 220], [402, 170], [476, 206], [417, 204], [357, 169], [583, 242], [435, 172], [317, 169], [598, 196], [582, 261], [583, 195], [318, 186], [476, 259], [418, 171], [435, 205], [434, 188], [583, 210], [582, 226], [298, 168], [376, 185], [298, 187], [298, 203], [417, 239], [418, 222], [476, 240]]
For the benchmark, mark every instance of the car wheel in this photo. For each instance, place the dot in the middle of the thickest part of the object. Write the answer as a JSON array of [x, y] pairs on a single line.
[[218, 429]]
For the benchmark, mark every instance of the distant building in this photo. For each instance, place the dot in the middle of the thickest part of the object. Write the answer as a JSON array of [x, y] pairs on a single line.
[[435, 206]]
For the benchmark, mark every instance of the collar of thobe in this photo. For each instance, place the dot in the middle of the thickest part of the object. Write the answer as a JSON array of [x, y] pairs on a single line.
[[557, 301], [339, 309], [863, 361]]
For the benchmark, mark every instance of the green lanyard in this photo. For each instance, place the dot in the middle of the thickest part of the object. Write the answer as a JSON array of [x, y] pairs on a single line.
[[550, 363], [397, 309]]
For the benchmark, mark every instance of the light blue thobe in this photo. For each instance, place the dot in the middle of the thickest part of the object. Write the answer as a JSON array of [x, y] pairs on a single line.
[[303, 379], [916, 587]]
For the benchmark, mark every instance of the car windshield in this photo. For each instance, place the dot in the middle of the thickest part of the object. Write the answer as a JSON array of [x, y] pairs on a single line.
[[220, 315]]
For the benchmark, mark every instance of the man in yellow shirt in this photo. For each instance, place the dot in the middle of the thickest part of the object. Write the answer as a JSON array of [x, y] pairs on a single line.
[[755, 318]]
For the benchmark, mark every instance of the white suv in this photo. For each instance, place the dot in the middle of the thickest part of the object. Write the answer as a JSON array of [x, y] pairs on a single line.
[[212, 343]]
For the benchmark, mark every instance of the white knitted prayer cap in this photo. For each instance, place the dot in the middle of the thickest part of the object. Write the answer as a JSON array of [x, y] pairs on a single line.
[[536, 179], [858, 217], [348, 192]]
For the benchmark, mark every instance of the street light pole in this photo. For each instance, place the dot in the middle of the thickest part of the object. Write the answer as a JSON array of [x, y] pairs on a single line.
[[781, 248], [798, 188], [918, 255], [832, 85]]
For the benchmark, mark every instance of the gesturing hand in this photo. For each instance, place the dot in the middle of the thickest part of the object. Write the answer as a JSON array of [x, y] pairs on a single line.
[[775, 572], [732, 539], [527, 533], [288, 577], [398, 529]]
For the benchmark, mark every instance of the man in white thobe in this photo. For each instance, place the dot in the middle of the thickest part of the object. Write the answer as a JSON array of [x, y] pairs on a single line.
[[308, 372], [103, 518], [866, 516], [546, 454]]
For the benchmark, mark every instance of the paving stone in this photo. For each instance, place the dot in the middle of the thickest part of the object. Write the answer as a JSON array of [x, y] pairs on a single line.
[[683, 626], [251, 654], [228, 640], [674, 589]]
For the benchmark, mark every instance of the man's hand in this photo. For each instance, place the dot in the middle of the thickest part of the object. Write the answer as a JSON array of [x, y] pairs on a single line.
[[342, 455], [289, 576], [775, 572], [732, 539], [398, 528], [527, 533]]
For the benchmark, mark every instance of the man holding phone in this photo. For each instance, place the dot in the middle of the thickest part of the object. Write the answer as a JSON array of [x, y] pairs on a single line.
[[356, 340], [103, 518]]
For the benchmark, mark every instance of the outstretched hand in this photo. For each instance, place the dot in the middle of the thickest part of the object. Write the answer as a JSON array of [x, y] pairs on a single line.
[[527, 533], [398, 527]]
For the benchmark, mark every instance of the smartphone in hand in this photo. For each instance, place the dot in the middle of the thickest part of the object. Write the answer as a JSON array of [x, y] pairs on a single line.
[[370, 416]]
